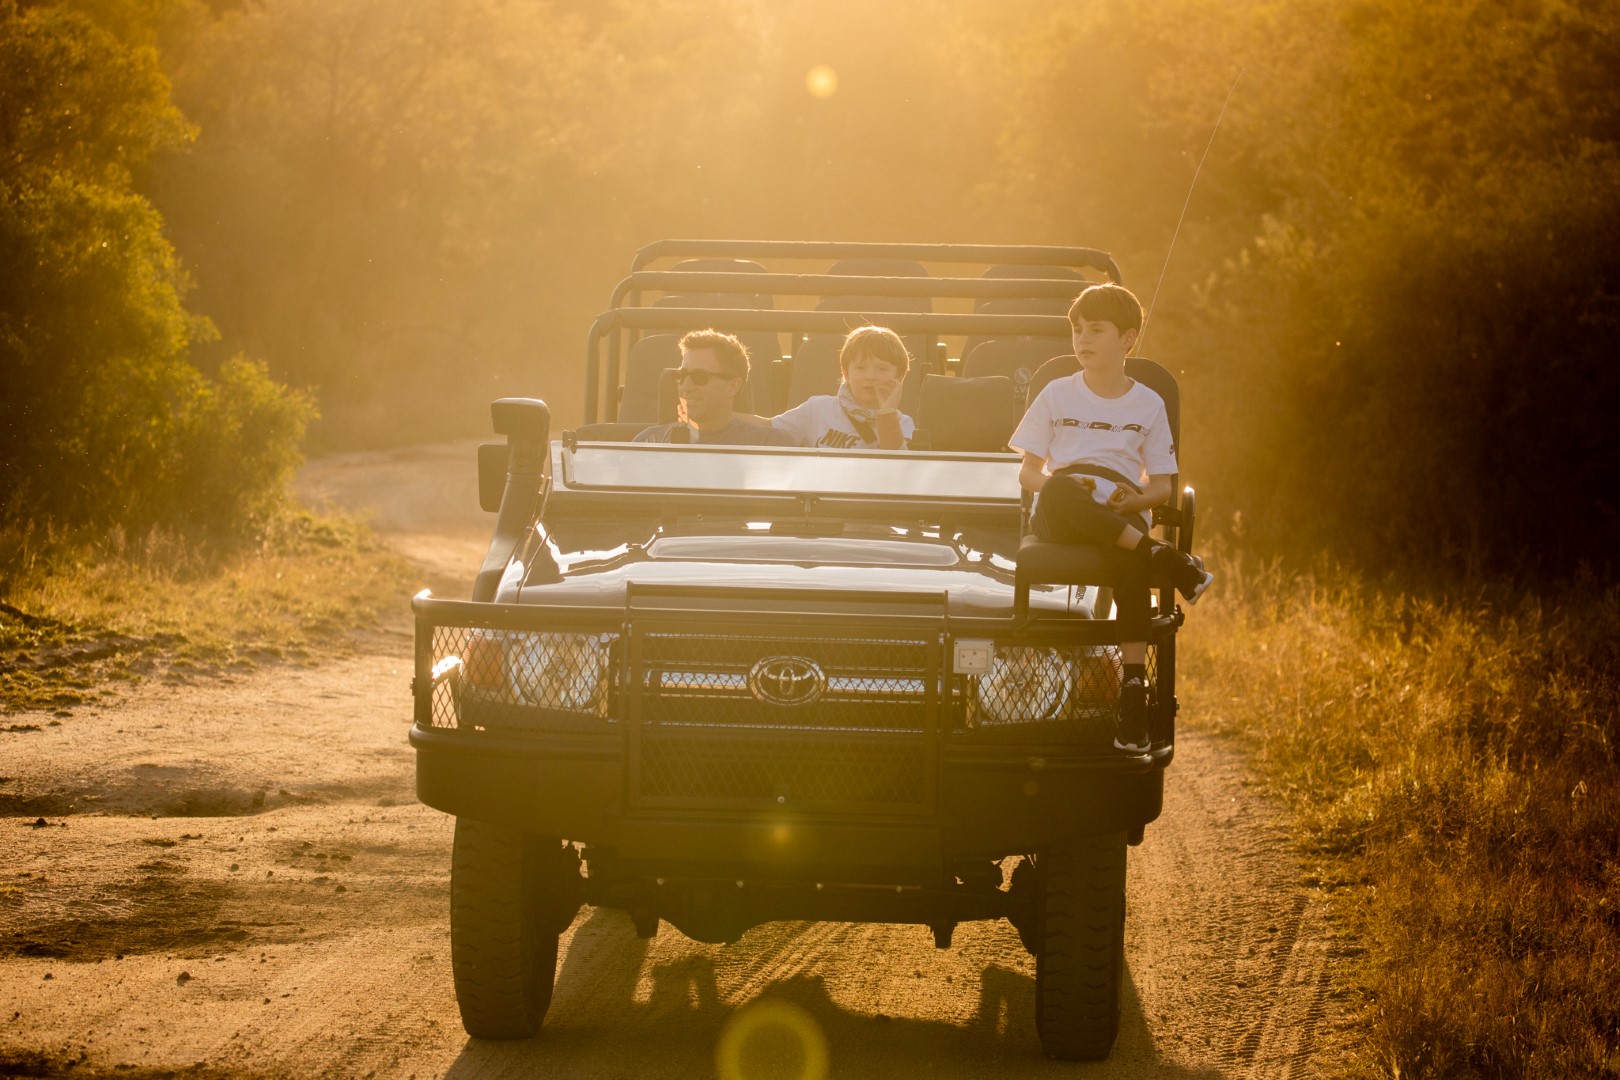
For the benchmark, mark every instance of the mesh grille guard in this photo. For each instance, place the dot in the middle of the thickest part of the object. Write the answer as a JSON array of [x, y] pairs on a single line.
[[785, 699]]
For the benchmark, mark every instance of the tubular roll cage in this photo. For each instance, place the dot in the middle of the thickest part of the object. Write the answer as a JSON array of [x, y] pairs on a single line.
[[628, 314]]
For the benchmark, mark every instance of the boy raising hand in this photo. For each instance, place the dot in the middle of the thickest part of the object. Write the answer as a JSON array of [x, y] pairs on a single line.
[[1099, 456]]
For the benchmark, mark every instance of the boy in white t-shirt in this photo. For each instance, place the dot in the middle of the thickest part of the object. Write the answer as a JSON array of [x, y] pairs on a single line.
[[866, 410], [1099, 456]]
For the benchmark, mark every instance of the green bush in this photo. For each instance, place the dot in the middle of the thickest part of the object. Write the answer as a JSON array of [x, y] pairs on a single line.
[[104, 418]]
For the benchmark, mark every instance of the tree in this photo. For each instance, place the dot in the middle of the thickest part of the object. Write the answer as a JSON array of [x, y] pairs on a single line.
[[101, 400]]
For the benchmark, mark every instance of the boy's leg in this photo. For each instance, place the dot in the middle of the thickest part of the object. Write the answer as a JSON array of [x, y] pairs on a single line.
[[1131, 595], [1066, 513]]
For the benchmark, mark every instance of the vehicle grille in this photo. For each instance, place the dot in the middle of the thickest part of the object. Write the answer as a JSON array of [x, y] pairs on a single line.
[[869, 684], [726, 720]]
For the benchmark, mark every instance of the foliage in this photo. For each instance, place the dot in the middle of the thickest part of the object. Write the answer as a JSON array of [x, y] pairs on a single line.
[[392, 201], [79, 608], [104, 418], [1455, 766], [1393, 299]]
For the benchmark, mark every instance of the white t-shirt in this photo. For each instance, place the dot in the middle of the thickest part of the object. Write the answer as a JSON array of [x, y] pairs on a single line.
[[822, 421], [1068, 425]]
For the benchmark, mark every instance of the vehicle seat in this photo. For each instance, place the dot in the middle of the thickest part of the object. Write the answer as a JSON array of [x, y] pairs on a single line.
[[1054, 346], [968, 414], [814, 369], [645, 365], [764, 346], [1016, 358]]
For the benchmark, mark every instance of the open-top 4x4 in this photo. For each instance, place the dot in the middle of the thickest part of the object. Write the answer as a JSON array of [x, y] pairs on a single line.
[[719, 686]]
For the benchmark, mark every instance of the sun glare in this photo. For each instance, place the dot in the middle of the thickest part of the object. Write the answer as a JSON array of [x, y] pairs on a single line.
[[821, 81]]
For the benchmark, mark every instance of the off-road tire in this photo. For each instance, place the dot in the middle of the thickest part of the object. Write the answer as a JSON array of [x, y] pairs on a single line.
[[1080, 955], [507, 891]]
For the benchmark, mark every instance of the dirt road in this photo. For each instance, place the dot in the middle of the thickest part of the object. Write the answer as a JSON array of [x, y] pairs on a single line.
[[232, 878]]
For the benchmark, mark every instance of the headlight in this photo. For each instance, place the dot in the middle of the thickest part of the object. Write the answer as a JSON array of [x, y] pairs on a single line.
[[561, 671], [1100, 677], [484, 666], [1023, 685]]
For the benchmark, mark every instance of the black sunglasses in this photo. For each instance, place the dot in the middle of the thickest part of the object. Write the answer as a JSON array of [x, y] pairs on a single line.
[[701, 376]]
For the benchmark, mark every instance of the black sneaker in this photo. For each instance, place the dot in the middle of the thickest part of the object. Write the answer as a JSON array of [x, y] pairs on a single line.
[[1131, 732], [1194, 580], [1186, 572]]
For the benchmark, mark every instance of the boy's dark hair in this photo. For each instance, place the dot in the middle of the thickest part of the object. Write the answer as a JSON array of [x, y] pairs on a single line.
[[877, 342], [1107, 302], [732, 354]]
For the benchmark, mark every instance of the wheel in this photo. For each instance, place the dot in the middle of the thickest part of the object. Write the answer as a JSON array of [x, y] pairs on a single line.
[[1080, 958], [510, 897]]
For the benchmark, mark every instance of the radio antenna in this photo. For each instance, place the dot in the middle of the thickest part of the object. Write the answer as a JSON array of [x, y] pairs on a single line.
[[1140, 338]]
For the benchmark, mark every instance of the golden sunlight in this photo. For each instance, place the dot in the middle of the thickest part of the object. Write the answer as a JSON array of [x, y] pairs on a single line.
[[821, 81]]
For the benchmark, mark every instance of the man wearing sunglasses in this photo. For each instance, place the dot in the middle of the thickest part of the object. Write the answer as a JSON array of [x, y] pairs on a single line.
[[713, 368]]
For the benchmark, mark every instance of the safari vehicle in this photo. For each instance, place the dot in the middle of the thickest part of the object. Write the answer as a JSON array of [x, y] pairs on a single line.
[[719, 686]]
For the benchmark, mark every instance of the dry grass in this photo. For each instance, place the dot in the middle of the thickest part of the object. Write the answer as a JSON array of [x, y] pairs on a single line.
[[76, 611], [1454, 766]]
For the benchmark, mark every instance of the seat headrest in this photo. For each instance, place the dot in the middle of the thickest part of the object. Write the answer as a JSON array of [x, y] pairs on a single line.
[[977, 414]]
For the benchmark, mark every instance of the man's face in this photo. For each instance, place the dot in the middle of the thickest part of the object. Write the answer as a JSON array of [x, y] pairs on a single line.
[[1098, 343], [705, 390]]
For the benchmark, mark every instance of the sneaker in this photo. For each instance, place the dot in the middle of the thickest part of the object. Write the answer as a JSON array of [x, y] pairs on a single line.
[[1186, 572], [1131, 733], [1194, 580]]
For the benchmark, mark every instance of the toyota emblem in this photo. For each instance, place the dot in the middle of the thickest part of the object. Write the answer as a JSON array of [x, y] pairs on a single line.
[[786, 680]]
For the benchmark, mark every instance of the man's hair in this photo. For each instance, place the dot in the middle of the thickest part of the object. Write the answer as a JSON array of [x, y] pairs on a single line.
[[877, 342], [732, 354], [1107, 302]]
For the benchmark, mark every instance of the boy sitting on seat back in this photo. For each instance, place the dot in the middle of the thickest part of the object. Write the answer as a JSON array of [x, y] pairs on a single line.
[[1098, 454]]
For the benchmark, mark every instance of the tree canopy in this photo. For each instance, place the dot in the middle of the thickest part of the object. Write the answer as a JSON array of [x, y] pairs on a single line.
[[104, 417], [1391, 301]]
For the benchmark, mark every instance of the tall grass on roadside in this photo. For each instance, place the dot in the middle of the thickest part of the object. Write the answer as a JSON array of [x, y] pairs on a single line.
[[77, 608], [1456, 765]]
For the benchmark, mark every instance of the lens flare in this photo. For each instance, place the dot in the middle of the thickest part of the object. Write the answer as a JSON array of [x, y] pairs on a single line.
[[821, 81], [774, 1039]]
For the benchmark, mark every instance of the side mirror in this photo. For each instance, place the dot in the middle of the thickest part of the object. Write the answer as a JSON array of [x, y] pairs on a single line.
[[521, 418], [491, 475]]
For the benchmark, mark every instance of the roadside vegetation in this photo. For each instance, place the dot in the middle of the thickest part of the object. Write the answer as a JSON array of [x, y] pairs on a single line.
[[145, 523], [1453, 765], [78, 615]]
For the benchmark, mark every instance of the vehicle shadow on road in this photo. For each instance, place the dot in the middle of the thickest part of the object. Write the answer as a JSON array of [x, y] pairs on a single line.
[[612, 1018]]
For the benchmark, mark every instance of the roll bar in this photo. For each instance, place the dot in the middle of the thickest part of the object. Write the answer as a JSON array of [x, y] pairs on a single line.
[[974, 288], [1026, 254]]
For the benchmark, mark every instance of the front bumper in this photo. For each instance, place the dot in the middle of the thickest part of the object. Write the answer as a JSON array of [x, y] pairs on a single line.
[[676, 773], [989, 804]]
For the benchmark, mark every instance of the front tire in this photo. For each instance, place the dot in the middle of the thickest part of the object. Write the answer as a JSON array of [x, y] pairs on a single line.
[[509, 893], [1080, 960]]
